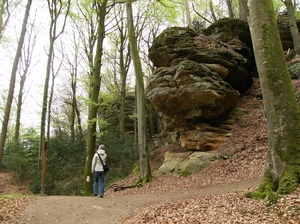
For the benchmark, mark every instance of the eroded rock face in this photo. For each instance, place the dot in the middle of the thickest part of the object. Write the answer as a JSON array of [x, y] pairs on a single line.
[[198, 80], [191, 91], [176, 44]]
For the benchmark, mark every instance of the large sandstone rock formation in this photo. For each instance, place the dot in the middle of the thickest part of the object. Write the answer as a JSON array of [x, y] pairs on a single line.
[[198, 80], [196, 85]]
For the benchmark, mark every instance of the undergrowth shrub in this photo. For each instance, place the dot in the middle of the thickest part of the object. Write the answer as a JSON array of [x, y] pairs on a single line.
[[66, 160], [22, 157]]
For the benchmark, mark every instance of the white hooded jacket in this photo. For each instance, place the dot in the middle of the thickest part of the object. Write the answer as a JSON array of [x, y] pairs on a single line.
[[96, 163]]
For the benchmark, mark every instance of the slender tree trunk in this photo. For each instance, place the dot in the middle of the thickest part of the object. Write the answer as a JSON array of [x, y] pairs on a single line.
[[89, 44], [93, 107], [135, 120], [188, 14], [229, 6], [280, 104], [12, 82], [80, 132], [19, 107], [293, 25], [55, 10], [242, 12], [211, 7], [54, 75], [25, 62], [123, 73], [143, 149], [74, 106], [45, 94], [152, 120]]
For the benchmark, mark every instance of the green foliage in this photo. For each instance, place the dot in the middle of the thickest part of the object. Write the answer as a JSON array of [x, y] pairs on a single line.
[[66, 161], [35, 184], [65, 165], [22, 157], [164, 11]]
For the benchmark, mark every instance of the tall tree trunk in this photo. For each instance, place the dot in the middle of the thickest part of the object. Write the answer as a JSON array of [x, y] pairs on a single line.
[[19, 107], [229, 6], [188, 14], [152, 120], [242, 12], [25, 62], [280, 104], [211, 7], [45, 94], [54, 75], [293, 25], [55, 10], [80, 132], [93, 107], [12, 82], [123, 73], [74, 105], [89, 44], [143, 149], [135, 120]]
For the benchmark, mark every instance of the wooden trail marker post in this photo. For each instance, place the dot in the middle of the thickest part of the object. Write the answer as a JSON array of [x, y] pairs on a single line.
[[44, 160]]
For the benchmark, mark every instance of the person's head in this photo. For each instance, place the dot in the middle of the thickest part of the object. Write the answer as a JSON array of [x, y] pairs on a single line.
[[101, 147]]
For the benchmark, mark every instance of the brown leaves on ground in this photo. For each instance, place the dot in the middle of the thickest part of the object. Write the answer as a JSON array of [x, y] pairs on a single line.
[[12, 197], [223, 208], [10, 205]]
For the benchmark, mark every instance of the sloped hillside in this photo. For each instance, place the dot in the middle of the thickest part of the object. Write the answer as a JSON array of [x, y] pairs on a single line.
[[247, 148]]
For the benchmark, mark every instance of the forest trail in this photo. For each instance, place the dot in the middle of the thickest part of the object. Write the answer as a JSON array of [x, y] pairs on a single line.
[[110, 209]]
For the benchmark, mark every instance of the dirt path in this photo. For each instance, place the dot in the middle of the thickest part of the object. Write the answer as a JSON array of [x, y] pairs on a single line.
[[75, 209]]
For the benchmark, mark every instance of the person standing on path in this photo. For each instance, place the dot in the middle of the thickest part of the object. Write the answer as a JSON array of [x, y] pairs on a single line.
[[97, 170]]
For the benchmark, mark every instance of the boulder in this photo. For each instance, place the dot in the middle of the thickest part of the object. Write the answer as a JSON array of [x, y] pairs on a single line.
[[177, 44], [233, 31], [185, 163], [194, 100], [190, 91], [198, 80]]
